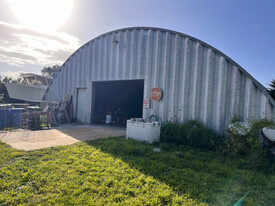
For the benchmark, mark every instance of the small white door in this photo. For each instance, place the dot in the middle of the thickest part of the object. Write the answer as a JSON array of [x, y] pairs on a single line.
[[81, 104]]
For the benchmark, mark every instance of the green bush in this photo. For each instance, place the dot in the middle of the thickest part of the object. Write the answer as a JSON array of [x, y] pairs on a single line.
[[193, 133], [234, 145], [248, 144]]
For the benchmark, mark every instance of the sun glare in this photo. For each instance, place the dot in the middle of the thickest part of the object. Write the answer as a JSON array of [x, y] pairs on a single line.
[[42, 14]]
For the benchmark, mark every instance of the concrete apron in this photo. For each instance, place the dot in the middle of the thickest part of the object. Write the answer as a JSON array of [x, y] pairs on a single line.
[[62, 135]]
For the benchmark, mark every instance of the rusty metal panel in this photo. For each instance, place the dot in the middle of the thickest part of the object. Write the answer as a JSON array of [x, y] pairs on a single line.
[[197, 80]]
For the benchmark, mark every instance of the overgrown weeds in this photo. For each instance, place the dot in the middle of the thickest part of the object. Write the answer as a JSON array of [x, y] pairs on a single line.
[[192, 133], [249, 143], [235, 144]]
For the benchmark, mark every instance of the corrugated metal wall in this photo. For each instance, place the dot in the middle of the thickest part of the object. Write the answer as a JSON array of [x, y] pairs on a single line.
[[198, 81]]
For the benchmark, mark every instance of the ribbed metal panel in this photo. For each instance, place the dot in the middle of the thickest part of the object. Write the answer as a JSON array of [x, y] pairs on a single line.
[[198, 81]]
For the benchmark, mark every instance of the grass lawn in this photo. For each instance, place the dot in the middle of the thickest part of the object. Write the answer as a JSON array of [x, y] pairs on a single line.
[[126, 172]]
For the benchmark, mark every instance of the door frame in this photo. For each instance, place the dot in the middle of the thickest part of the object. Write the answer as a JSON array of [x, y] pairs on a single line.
[[77, 93]]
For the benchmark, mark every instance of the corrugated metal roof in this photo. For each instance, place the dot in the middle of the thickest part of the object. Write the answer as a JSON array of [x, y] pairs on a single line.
[[198, 81]]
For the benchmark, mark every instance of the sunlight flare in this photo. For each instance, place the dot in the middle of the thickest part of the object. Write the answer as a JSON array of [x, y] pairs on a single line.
[[42, 14]]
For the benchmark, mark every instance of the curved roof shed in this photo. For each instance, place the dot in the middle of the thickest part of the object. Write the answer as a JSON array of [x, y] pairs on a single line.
[[198, 81]]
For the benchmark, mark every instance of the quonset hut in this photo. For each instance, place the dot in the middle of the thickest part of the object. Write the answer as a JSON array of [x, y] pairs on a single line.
[[121, 67]]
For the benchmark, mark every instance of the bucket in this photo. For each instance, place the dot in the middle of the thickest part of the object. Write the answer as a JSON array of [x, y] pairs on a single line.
[[108, 119]]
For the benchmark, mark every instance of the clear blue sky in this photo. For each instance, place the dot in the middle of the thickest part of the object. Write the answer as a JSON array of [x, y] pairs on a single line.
[[242, 29]]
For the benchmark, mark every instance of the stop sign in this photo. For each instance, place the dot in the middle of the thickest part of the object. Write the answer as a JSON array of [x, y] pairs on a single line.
[[155, 94]]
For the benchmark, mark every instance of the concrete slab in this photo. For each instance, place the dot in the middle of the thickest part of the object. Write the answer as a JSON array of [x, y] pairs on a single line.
[[62, 135]]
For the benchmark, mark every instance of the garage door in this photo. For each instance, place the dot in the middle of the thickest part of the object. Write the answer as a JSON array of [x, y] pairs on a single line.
[[123, 99], [81, 104]]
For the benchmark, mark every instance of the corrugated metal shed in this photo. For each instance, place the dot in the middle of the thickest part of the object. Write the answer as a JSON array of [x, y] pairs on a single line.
[[198, 81]]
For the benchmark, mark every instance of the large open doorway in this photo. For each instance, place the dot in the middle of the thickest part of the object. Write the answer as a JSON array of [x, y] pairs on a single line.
[[120, 99]]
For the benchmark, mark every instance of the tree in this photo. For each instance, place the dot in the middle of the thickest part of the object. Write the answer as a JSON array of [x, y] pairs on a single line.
[[50, 71], [271, 90], [11, 80]]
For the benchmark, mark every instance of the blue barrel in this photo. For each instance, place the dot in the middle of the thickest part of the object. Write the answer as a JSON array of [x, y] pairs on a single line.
[[1, 118], [4, 115], [16, 117]]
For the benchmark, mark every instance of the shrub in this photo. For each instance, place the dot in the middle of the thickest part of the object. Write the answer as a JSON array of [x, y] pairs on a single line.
[[248, 144], [193, 133], [235, 119], [233, 145]]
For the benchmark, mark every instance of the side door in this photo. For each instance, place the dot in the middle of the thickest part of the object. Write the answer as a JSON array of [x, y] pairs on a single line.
[[81, 104]]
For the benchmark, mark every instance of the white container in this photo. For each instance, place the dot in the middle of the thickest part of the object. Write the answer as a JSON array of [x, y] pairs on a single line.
[[108, 119], [143, 131]]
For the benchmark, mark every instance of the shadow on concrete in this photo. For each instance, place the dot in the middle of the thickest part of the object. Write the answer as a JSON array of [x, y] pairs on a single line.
[[61, 135], [91, 132]]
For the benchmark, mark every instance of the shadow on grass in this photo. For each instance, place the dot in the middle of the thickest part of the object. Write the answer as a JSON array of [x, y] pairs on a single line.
[[206, 176]]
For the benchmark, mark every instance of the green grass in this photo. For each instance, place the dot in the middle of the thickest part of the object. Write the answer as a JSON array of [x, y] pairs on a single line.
[[126, 172], [207, 176], [80, 174]]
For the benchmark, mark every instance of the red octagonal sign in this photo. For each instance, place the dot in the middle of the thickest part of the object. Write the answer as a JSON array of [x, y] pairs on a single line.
[[155, 94]]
